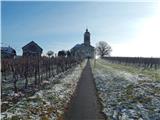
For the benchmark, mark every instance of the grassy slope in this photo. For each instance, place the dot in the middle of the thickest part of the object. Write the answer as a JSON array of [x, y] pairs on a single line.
[[117, 92], [151, 73]]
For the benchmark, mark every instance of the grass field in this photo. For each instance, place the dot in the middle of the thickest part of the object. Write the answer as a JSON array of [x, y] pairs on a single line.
[[127, 92], [153, 74]]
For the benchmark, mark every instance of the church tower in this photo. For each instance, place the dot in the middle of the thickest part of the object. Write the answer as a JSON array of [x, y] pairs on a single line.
[[87, 38]]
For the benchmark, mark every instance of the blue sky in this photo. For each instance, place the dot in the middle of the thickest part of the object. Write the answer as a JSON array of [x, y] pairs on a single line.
[[60, 25]]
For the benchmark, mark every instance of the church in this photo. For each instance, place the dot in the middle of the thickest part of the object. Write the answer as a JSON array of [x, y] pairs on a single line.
[[84, 50]]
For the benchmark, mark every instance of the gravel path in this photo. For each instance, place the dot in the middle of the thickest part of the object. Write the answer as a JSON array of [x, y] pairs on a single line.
[[85, 106]]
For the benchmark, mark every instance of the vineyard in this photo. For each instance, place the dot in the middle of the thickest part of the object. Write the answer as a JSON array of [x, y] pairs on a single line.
[[127, 90], [26, 75], [137, 61]]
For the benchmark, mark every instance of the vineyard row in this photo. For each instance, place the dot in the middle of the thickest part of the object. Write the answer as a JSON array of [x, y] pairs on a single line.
[[39, 68], [138, 61]]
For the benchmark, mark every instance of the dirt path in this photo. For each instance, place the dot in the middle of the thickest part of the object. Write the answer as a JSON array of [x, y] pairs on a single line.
[[84, 106]]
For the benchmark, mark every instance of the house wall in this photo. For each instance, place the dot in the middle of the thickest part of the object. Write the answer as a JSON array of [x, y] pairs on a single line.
[[84, 52]]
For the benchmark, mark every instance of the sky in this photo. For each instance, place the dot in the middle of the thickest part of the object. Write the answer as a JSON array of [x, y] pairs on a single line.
[[130, 28]]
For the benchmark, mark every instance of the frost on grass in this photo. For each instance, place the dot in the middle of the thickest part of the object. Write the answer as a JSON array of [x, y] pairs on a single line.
[[125, 96], [48, 103]]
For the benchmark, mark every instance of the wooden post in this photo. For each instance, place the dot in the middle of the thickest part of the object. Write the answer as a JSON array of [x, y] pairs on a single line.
[[94, 62]]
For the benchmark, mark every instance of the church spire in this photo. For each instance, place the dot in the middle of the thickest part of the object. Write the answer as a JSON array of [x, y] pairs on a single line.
[[87, 37]]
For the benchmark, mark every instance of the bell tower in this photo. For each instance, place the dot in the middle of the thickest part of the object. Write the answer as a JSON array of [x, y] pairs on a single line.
[[87, 37]]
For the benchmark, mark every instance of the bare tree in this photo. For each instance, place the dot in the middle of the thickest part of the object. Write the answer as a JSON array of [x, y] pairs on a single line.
[[50, 53], [62, 53], [103, 49]]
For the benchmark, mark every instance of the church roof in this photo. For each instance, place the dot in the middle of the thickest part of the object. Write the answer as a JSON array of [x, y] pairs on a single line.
[[87, 31], [77, 46]]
